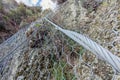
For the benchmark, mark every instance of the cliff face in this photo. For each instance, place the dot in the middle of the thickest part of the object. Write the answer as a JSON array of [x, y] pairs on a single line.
[[39, 52]]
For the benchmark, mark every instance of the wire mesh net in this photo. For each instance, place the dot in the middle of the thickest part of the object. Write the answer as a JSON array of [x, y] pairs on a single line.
[[56, 57]]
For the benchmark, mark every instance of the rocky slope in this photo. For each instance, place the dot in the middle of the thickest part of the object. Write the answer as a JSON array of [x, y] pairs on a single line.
[[39, 52]]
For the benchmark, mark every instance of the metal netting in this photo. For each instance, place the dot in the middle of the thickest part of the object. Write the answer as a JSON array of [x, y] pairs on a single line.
[[56, 57]]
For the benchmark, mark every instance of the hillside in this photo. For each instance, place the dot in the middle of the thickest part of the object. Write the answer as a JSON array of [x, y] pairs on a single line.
[[13, 17], [37, 51]]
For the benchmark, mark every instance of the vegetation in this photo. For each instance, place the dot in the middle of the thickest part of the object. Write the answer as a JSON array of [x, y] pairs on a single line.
[[12, 21]]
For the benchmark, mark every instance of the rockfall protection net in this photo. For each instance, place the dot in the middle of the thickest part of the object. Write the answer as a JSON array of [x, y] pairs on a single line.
[[55, 56], [60, 58]]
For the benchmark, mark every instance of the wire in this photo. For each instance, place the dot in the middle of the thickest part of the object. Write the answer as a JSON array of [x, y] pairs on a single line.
[[92, 46]]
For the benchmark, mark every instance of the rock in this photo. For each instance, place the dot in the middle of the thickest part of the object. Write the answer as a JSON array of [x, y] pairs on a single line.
[[9, 4], [20, 78]]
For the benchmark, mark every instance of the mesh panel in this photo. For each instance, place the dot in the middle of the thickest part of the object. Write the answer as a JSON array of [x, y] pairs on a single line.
[[57, 57], [54, 56]]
